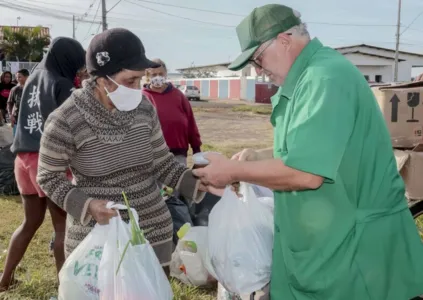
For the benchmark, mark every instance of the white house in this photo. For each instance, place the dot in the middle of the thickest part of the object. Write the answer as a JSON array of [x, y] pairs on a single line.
[[377, 64], [174, 76]]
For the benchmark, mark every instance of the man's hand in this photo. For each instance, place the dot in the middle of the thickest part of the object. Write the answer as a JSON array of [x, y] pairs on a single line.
[[98, 210], [246, 155], [218, 173], [12, 120], [211, 189], [254, 155]]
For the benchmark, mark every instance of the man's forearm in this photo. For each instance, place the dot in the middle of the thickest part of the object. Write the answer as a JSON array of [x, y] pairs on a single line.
[[273, 174], [266, 153]]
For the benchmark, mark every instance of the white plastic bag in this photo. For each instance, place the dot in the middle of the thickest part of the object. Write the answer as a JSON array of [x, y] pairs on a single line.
[[79, 275], [240, 241], [139, 275], [187, 263]]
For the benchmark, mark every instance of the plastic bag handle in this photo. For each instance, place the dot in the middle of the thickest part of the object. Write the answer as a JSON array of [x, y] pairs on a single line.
[[246, 191], [118, 207]]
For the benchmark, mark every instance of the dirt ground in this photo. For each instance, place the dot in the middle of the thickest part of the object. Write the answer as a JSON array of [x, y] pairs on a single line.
[[225, 130]]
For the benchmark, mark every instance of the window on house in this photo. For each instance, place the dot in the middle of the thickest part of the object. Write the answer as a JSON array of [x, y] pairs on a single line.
[[367, 77], [378, 78]]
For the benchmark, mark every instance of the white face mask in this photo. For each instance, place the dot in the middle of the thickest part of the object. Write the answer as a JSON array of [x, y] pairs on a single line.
[[158, 81], [124, 98]]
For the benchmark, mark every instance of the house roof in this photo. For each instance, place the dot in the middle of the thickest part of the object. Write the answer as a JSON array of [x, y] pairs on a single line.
[[371, 54], [377, 48], [353, 51]]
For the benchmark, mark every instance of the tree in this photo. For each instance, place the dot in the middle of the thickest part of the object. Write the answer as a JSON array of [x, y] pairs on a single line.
[[25, 44]]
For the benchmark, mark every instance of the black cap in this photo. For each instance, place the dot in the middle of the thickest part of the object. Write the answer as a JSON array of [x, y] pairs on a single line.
[[116, 49]]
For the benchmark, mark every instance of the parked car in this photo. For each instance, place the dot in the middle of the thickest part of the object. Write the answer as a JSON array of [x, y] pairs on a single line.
[[191, 92]]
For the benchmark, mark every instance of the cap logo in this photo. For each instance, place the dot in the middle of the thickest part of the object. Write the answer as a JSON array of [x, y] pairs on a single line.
[[102, 58]]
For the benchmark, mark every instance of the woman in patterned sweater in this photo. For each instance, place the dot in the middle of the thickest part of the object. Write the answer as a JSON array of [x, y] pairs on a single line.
[[110, 137]]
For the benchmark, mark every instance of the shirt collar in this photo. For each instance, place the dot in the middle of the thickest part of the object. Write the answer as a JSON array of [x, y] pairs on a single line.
[[300, 64]]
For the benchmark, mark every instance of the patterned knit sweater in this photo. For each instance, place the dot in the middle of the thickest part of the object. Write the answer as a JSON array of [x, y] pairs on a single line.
[[110, 152]]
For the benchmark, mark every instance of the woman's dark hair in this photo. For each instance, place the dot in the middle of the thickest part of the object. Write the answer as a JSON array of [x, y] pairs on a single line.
[[24, 72], [110, 75], [4, 74]]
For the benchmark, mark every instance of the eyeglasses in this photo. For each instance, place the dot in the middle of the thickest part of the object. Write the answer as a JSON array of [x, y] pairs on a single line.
[[255, 61]]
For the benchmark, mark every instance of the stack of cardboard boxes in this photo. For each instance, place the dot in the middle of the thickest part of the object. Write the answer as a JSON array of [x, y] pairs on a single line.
[[402, 107]]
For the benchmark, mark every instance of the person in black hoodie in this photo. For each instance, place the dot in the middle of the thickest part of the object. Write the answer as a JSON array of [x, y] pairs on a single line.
[[6, 86], [46, 89]]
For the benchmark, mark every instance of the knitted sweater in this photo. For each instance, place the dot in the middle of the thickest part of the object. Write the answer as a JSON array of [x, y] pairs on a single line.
[[110, 152]]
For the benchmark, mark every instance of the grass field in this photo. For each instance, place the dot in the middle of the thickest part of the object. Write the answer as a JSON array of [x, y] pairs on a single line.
[[227, 130]]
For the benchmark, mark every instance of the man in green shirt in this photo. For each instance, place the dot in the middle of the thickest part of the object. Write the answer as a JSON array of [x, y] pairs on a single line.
[[343, 230]]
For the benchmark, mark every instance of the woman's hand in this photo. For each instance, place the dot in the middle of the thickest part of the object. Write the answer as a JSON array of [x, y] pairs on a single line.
[[98, 210], [246, 155]]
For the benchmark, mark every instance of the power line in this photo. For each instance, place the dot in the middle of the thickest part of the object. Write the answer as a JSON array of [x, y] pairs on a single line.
[[60, 14], [85, 14], [239, 15], [114, 6], [412, 22], [39, 11], [91, 26], [73, 6], [192, 8], [180, 17]]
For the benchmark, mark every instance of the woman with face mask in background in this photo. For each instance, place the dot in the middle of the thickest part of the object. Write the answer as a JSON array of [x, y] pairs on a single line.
[[174, 111], [110, 137]]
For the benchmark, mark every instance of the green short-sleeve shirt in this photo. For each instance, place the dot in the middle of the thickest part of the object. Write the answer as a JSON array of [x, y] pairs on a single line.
[[353, 238]]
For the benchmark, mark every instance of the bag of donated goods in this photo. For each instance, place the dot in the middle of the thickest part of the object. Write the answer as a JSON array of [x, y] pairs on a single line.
[[240, 240], [187, 263], [129, 268], [79, 275]]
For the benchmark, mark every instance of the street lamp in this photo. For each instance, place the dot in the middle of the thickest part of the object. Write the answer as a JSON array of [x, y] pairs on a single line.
[[17, 21]]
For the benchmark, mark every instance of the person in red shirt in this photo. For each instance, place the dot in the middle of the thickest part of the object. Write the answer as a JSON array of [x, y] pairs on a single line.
[[175, 113]]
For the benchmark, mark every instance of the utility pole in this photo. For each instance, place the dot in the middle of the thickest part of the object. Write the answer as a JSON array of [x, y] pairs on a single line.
[[73, 27], [398, 41], [104, 14]]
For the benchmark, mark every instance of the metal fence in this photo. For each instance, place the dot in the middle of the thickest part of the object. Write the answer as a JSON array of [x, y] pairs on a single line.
[[15, 66]]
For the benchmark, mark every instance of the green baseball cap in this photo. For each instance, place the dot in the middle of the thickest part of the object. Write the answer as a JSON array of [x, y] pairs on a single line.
[[262, 24]]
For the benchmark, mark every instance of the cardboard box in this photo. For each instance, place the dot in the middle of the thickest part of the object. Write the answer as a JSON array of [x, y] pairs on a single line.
[[402, 108], [410, 166]]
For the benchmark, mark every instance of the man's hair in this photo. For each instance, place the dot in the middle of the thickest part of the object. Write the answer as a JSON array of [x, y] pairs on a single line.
[[299, 30], [24, 72]]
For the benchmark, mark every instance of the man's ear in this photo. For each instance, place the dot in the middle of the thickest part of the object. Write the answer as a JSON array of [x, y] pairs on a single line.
[[284, 39]]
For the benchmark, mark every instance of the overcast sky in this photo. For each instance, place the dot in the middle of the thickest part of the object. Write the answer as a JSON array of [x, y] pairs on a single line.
[[182, 36]]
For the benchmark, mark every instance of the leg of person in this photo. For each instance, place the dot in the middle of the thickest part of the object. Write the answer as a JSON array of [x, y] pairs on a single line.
[[4, 113], [34, 209], [167, 271], [2, 120], [58, 217], [181, 159]]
